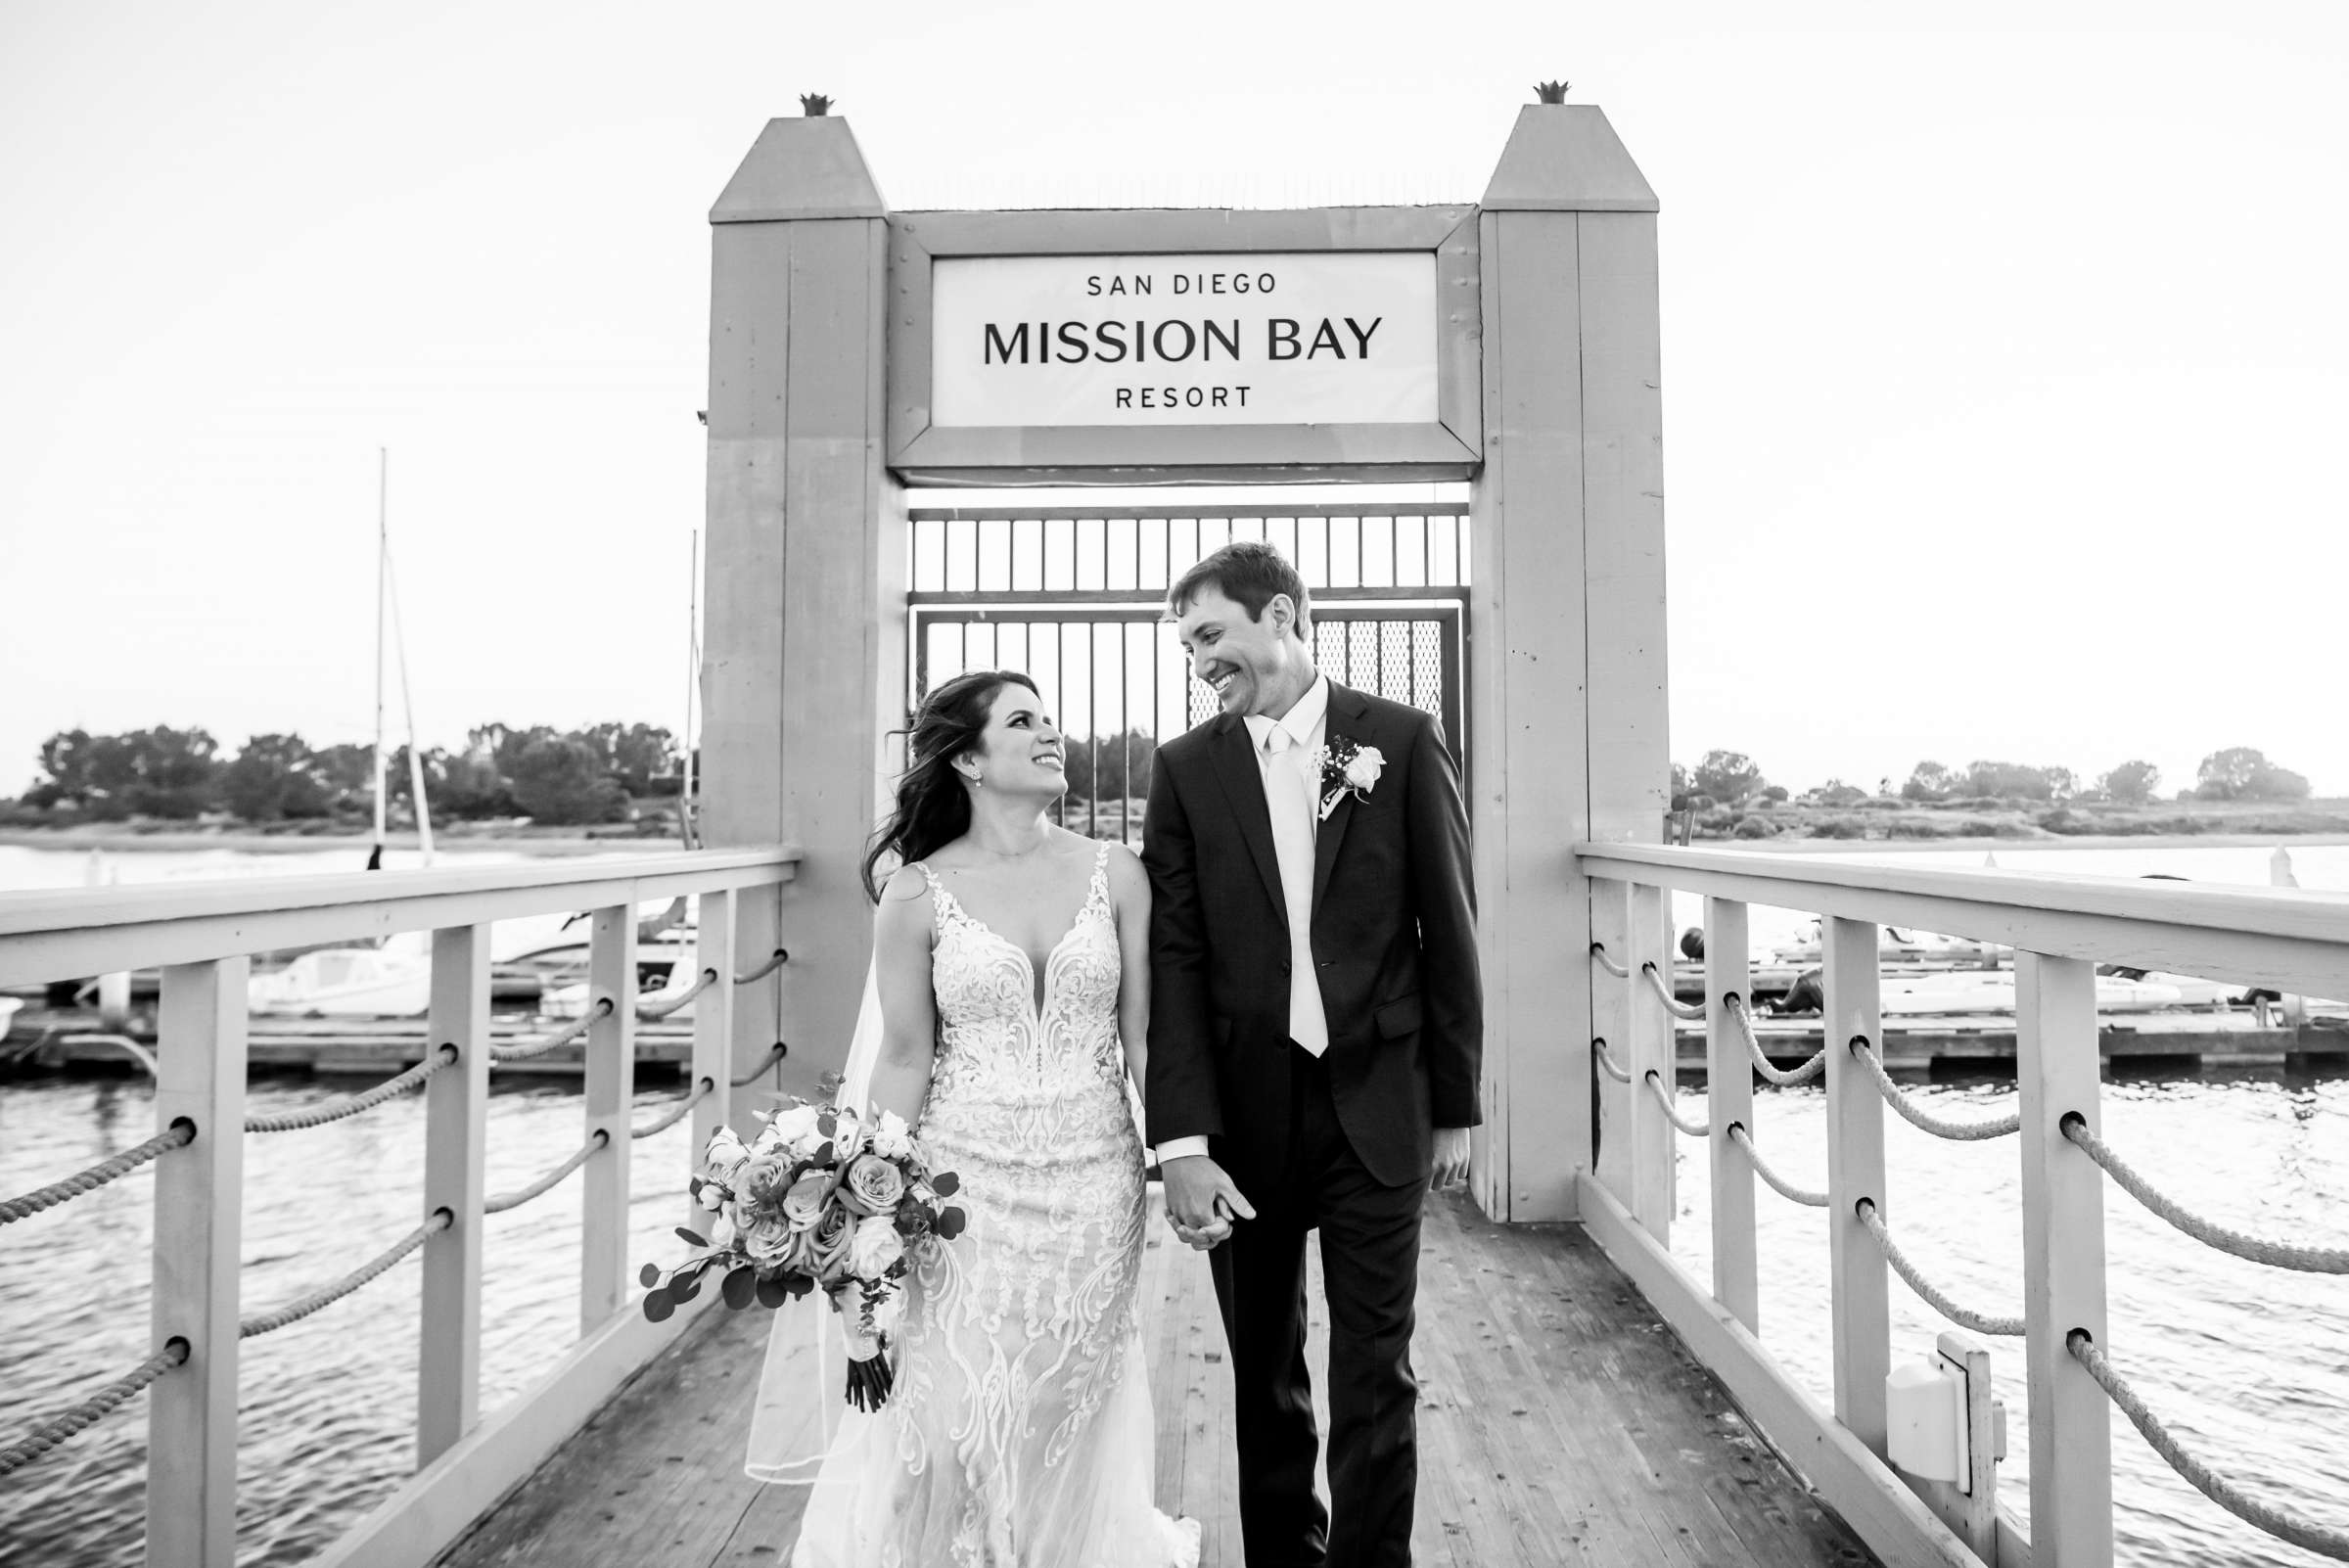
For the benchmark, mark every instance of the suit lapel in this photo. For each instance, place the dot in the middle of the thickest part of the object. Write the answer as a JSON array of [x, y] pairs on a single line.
[[1234, 754], [1346, 720]]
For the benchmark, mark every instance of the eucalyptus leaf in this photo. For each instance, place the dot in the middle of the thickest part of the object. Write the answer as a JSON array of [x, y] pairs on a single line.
[[946, 1184], [691, 1239], [772, 1291], [649, 1276], [659, 1307], [740, 1287], [685, 1286]]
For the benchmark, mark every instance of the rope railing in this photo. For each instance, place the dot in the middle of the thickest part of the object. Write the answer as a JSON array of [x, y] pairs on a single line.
[[1672, 1004], [2242, 1244], [2301, 1533], [549, 1181], [563, 1036], [774, 1055], [90, 1409], [1784, 1077], [774, 961], [676, 1109], [1769, 1177], [294, 1311], [352, 1104], [178, 1135], [1694, 1130], [1916, 1116], [1606, 1062], [1598, 956], [1939, 1300], [669, 1004]]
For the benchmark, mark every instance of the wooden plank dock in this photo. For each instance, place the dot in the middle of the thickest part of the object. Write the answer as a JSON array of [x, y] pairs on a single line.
[[1561, 1424]]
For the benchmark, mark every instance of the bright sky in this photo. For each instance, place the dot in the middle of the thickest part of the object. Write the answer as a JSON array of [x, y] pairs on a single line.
[[2005, 361]]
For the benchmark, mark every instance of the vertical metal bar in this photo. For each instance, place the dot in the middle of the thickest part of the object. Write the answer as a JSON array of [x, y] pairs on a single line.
[[714, 948], [1611, 1024], [1859, 1278], [199, 1208], [456, 1126], [610, 1081], [1124, 747], [1653, 1149], [1730, 1090], [2057, 1065]]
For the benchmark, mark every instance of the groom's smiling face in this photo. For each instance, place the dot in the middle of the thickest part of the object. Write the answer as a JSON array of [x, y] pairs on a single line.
[[1253, 665]]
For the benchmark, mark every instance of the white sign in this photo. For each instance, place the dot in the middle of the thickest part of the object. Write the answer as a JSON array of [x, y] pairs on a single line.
[[1294, 338]]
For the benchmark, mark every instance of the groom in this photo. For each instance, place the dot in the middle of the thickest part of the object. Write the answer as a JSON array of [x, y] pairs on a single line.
[[1316, 1028]]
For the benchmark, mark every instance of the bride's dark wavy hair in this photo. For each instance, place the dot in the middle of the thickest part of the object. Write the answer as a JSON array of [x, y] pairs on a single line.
[[933, 806]]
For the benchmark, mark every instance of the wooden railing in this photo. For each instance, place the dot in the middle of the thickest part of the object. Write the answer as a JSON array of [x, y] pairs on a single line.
[[2291, 942], [202, 936]]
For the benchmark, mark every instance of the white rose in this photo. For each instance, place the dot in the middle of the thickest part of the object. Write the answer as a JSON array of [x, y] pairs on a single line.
[[847, 1135], [791, 1126], [1363, 767], [893, 1139], [726, 1153], [876, 1246], [721, 1232]]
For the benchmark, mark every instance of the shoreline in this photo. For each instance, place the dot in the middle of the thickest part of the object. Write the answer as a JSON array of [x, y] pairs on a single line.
[[550, 846], [1955, 843]]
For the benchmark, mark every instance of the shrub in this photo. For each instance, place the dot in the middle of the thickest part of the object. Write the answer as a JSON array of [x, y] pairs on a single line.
[[1753, 827], [1838, 827]]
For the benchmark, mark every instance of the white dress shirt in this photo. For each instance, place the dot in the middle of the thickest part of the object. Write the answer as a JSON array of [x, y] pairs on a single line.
[[1293, 772]]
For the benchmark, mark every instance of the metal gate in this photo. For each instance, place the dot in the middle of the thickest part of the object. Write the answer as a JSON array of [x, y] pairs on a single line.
[[1076, 597]]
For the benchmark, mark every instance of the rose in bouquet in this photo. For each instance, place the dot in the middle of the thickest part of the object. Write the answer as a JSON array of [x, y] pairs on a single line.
[[824, 1199]]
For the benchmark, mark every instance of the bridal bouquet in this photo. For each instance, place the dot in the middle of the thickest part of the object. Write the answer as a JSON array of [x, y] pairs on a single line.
[[820, 1198]]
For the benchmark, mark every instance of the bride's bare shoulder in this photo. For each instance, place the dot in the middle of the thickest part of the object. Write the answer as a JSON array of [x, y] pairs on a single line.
[[905, 886]]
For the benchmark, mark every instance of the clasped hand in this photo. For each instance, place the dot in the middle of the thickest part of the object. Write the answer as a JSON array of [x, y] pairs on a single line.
[[1201, 1201]]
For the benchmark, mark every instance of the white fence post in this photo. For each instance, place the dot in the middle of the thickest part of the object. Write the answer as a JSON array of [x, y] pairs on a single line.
[[1730, 1096], [713, 1033], [1863, 1321], [2058, 1064], [1654, 1149], [199, 1207], [456, 1111], [1611, 1022], [611, 1082]]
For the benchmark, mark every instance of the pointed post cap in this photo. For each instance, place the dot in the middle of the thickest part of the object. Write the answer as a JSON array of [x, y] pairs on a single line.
[[810, 167], [1565, 157]]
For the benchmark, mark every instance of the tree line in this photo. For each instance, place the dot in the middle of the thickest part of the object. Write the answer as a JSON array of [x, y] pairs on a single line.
[[2236, 773], [593, 774]]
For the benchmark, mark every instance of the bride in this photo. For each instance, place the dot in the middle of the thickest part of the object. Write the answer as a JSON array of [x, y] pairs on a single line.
[[1013, 981]]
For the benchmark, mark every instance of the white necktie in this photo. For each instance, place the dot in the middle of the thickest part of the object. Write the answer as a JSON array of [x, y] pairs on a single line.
[[1285, 794]]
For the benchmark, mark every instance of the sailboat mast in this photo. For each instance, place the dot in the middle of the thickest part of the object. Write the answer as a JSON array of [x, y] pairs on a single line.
[[383, 556], [693, 675]]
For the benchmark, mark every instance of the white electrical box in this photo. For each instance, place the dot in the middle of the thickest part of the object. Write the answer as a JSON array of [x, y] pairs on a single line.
[[1926, 1422]]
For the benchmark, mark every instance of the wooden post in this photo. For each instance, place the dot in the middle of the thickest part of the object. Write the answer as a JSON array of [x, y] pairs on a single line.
[[1567, 733], [456, 1110], [1611, 1021], [1859, 1275], [1655, 1150], [604, 1282], [713, 1035], [199, 1207], [1730, 1096], [2057, 1063], [806, 580]]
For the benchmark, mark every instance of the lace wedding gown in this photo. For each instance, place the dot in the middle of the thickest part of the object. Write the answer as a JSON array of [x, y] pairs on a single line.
[[1019, 1434]]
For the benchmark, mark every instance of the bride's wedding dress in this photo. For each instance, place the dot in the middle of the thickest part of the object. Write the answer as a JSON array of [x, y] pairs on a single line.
[[1019, 1434]]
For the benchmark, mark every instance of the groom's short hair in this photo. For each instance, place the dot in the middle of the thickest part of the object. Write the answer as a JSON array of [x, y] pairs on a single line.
[[1248, 573]]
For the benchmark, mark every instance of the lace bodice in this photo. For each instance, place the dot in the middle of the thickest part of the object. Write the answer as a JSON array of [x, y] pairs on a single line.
[[1017, 1076]]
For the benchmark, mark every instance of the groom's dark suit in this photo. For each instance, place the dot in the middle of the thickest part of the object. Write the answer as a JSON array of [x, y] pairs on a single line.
[[1341, 1142]]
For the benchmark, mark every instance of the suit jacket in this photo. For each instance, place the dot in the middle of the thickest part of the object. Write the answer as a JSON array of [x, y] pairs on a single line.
[[1394, 940]]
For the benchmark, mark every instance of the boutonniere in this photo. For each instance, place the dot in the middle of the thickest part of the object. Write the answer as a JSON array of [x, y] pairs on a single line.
[[1346, 769]]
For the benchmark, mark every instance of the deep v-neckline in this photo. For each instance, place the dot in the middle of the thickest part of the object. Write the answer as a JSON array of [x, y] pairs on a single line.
[[1040, 981]]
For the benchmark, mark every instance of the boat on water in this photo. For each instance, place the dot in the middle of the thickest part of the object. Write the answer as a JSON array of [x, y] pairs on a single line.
[[7, 1012], [346, 983]]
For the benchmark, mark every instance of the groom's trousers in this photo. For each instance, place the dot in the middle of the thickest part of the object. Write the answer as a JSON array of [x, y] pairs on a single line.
[[1369, 1271]]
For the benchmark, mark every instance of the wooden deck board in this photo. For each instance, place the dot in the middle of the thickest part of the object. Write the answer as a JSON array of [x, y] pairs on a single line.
[[1560, 1422]]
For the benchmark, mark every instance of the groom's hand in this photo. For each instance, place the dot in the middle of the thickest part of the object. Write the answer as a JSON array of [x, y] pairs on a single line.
[[1201, 1200], [1451, 1158]]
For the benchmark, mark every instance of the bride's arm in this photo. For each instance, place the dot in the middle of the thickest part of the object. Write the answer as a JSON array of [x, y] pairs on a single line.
[[909, 1006], [1130, 895]]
